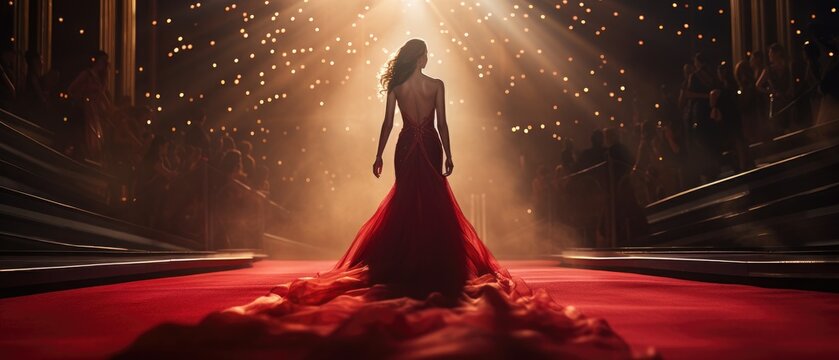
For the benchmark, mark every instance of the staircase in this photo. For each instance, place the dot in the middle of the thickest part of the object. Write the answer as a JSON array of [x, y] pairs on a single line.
[[55, 225], [775, 221], [787, 204], [31, 166]]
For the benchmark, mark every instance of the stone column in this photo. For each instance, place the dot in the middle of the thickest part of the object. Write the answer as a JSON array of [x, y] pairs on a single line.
[[44, 35], [782, 25], [128, 48], [107, 35], [739, 25], [758, 28]]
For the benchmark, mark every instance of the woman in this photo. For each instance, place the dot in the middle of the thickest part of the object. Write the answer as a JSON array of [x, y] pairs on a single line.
[[416, 282], [776, 80], [90, 95], [684, 127], [730, 118], [747, 101], [648, 165], [704, 140], [155, 175]]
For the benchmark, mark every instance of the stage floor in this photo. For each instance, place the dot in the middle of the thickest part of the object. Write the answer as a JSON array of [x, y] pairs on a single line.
[[682, 319]]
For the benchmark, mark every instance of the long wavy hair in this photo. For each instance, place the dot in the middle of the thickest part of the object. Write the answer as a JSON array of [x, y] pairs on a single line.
[[401, 66]]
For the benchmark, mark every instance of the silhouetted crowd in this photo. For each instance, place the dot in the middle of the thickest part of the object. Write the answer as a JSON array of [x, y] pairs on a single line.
[[182, 181], [701, 134], [194, 183], [200, 184]]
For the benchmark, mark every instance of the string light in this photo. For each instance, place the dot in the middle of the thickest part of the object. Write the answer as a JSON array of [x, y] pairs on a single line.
[[256, 80]]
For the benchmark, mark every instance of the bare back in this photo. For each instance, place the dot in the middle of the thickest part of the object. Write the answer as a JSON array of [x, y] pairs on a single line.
[[419, 98], [416, 98]]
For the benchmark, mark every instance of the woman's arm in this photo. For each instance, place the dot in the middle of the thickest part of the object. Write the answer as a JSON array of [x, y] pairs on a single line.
[[762, 84], [682, 102], [443, 127], [387, 126]]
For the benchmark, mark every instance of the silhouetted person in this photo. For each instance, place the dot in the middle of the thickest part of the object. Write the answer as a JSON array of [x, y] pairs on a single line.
[[683, 104], [687, 70], [155, 174], [593, 155], [248, 162], [124, 129], [224, 144], [125, 149], [569, 154], [259, 180], [630, 221], [776, 80], [827, 36], [588, 191], [673, 161], [704, 143], [92, 101], [34, 96], [196, 134], [807, 89], [668, 109], [228, 200], [619, 154], [757, 62], [184, 213], [671, 142], [648, 162], [747, 101], [727, 114]]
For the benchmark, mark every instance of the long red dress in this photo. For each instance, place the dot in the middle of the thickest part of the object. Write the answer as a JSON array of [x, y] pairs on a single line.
[[418, 240], [416, 283]]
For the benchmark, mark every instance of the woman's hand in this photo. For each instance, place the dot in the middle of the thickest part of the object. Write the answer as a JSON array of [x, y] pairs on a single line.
[[377, 166], [449, 167]]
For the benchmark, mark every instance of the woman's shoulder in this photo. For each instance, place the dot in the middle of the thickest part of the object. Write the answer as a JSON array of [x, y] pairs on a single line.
[[435, 81]]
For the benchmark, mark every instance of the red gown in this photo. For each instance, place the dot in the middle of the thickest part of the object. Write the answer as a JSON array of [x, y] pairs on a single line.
[[416, 283]]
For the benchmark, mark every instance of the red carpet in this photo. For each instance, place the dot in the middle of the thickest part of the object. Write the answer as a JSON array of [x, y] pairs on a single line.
[[682, 319]]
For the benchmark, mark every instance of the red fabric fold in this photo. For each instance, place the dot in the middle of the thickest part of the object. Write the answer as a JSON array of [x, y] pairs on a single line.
[[416, 283]]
